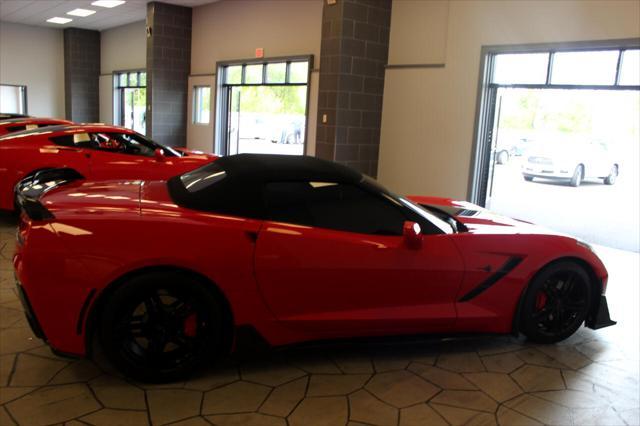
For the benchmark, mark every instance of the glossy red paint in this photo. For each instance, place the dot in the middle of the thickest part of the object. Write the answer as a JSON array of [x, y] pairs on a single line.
[[27, 152], [28, 123], [291, 283]]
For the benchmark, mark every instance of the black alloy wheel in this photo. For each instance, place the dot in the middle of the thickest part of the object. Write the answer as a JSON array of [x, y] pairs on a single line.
[[161, 327], [556, 303]]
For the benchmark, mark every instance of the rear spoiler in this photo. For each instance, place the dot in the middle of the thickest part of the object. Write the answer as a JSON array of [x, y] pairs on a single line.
[[30, 189]]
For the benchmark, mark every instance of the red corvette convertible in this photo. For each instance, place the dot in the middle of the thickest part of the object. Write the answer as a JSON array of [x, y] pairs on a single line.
[[28, 123], [170, 273], [95, 151]]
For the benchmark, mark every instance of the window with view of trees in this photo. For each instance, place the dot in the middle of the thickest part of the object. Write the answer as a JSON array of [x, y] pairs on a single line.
[[263, 106]]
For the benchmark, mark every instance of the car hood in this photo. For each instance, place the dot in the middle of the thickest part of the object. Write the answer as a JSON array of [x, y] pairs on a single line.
[[479, 220]]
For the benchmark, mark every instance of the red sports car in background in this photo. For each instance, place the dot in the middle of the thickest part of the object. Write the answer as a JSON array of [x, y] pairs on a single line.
[[93, 150], [168, 274], [13, 125]]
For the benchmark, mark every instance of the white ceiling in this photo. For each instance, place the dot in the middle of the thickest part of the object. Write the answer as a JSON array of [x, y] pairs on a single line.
[[36, 12]]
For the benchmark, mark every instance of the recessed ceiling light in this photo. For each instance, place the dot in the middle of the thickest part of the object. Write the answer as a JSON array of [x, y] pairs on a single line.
[[58, 20], [81, 12], [108, 3]]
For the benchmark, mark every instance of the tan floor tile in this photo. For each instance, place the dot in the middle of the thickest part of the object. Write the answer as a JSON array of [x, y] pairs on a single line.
[[335, 385], [442, 378], [573, 399], [600, 351], [77, 371], [630, 416], [194, 421], [497, 346], [390, 363], [474, 400], [461, 362], [116, 393], [457, 416], [235, 398], [109, 417], [502, 363], [6, 366], [10, 393], [498, 386], [577, 381], [567, 355], [8, 317], [322, 411], [270, 374], [315, 364], [420, 415], [533, 378], [533, 356], [284, 398], [170, 405], [253, 419], [14, 340], [541, 410], [213, 379], [483, 419], [367, 409], [509, 417], [31, 370], [8, 295], [5, 420], [597, 417], [53, 404], [354, 364], [45, 351], [401, 388]]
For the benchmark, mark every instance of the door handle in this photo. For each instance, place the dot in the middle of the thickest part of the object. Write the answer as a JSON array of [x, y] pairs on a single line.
[[87, 155]]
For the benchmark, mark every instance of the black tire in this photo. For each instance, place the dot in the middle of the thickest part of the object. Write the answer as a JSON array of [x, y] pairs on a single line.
[[528, 178], [162, 326], [578, 176], [613, 175], [556, 302], [503, 157]]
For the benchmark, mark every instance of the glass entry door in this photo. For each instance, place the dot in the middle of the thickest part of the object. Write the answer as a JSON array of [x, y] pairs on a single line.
[[134, 109]]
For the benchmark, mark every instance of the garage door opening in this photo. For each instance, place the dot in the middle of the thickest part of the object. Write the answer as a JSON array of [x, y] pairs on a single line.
[[263, 107], [559, 142]]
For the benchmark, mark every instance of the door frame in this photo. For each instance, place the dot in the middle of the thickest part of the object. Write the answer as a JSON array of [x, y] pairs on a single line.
[[222, 102], [481, 158]]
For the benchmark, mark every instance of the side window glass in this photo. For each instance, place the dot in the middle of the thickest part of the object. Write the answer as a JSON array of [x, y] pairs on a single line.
[[333, 206]]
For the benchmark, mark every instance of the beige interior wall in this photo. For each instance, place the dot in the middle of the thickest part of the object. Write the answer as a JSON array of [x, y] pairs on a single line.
[[233, 29], [34, 57], [429, 113], [121, 48]]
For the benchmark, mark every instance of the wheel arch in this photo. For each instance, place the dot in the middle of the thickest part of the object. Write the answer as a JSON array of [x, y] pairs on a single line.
[[92, 317], [596, 287]]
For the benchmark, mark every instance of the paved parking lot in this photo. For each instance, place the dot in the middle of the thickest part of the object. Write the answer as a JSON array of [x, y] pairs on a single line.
[[598, 213]]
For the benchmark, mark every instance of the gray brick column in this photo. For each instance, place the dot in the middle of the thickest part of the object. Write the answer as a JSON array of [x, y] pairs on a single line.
[[353, 55], [168, 68], [81, 75]]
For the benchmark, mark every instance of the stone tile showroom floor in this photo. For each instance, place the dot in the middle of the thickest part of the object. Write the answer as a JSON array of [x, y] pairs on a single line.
[[592, 378]]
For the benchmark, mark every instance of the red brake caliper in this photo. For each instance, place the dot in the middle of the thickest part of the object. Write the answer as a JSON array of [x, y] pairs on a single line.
[[541, 300], [191, 325]]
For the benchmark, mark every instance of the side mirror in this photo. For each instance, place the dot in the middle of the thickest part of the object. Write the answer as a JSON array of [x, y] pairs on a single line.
[[412, 235], [159, 154]]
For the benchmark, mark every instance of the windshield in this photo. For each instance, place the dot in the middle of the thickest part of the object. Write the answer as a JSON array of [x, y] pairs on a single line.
[[425, 214]]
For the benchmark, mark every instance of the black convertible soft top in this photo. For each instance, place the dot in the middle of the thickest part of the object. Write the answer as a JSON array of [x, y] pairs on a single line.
[[273, 167], [238, 188]]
